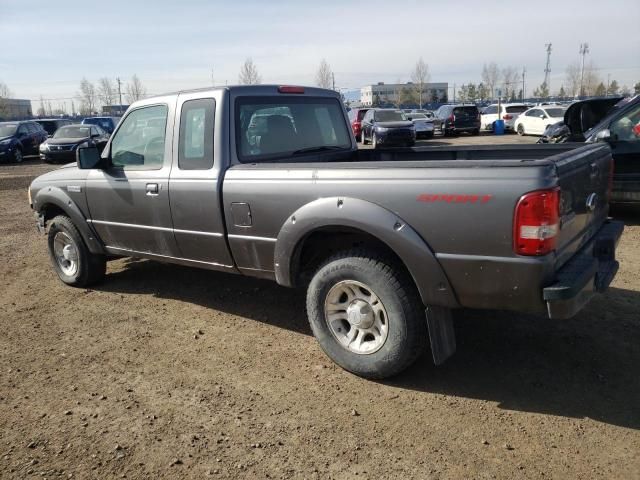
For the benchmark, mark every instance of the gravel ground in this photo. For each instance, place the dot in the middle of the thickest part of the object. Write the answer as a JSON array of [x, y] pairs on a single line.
[[171, 372]]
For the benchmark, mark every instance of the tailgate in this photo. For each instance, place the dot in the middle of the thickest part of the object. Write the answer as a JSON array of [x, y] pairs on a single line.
[[584, 176]]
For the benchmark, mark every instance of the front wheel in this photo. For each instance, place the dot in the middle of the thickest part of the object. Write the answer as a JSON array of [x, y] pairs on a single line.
[[71, 259], [17, 155], [363, 138], [366, 314], [374, 140], [520, 129]]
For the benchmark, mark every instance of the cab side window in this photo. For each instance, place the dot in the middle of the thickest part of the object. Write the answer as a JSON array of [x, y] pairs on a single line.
[[195, 150], [627, 127], [139, 143]]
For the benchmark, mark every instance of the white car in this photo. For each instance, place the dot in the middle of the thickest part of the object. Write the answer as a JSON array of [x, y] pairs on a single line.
[[535, 120], [508, 112]]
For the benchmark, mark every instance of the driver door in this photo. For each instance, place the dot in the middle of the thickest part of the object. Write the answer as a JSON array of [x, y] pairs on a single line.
[[129, 200]]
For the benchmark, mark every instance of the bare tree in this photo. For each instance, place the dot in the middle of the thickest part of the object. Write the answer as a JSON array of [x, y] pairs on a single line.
[[572, 79], [591, 79], [135, 90], [249, 73], [5, 93], [510, 79], [420, 77], [87, 97], [324, 75], [41, 111], [106, 91], [490, 74]]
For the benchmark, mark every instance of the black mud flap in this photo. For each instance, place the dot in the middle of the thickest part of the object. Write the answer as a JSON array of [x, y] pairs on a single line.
[[441, 333]]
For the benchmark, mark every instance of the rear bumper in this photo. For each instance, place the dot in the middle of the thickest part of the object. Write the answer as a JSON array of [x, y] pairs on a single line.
[[590, 271], [626, 190], [535, 284]]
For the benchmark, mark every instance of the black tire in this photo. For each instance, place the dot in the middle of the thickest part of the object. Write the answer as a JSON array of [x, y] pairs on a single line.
[[411, 144], [91, 268], [374, 140], [476, 131], [18, 157], [407, 336], [362, 137], [520, 130]]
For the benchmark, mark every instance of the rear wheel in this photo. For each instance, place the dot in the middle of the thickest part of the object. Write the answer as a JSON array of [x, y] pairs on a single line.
[[476, 131], [366, 314], [374, 140], [520, 129], [71, 259], [363, 138]]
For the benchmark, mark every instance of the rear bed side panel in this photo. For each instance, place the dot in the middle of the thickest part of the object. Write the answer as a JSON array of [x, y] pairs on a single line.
[[465, 213]]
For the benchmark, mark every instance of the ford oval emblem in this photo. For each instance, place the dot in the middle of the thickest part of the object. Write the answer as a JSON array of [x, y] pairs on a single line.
[[592, 201]]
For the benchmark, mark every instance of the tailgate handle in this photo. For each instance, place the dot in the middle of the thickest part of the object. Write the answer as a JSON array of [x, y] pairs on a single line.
[[595, 170]]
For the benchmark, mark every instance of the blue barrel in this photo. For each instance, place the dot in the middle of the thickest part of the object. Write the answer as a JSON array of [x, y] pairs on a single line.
[[498, 127]]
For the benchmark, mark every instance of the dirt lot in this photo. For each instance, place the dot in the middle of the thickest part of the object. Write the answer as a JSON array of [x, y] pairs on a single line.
[[171, 372]]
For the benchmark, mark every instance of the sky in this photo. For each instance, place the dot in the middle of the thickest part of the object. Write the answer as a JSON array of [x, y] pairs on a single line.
[[47, 47]]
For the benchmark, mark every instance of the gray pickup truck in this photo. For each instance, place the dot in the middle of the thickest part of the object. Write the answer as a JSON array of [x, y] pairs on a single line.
[[267, 181]]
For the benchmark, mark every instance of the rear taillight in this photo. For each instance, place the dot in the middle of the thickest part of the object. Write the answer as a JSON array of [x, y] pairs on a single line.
[[536, 222], [507, 117], [452, 118]]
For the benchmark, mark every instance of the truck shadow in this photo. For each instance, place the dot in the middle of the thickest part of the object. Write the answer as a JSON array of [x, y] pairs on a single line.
[[584, 367], [629, 214]]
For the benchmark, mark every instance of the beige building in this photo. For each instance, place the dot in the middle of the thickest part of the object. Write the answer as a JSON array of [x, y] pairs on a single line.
[[15, 109], [387, 93]]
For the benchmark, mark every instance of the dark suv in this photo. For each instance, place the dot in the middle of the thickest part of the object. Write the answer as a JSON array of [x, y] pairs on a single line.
[[18, 139], [459, 118], [108, 124], [387, 127], [52, 124]]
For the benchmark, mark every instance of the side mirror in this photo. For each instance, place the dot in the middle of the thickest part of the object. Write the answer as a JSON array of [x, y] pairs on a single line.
[[603, 135], [88, 158], [542, 116]]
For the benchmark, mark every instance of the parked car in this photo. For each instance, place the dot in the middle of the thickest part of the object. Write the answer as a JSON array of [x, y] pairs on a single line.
[[508, 112], [459, 118], [422, 124], [380, 239], [50, 125], [387, 127], [61, 148], [618, 124], [535, 120], [355, 119], [108, 124], [18, 139]]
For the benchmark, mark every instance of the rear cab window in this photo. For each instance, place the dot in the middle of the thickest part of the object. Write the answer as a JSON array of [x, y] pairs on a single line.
[[285, 127], [517, 109]]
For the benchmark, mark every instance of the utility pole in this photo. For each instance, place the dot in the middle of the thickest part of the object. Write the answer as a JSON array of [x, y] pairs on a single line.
[[584, 49], [547, 69], [454, 92], [524, 71], [120, 95], [333, 80]]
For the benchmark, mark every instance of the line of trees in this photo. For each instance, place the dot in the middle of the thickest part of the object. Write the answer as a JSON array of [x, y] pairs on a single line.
[[106, 92], [5, 93]]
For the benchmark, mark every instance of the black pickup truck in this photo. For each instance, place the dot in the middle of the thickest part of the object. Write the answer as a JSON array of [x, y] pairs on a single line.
[[267, 181]]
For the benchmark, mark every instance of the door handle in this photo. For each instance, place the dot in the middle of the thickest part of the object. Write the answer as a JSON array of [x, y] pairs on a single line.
[[153, 189]]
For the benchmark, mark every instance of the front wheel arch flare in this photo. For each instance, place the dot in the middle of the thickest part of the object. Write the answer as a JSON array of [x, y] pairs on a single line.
[[382, 224]]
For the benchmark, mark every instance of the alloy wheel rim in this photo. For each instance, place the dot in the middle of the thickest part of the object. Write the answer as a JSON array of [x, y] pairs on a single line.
[[356, 317], [66, 253]]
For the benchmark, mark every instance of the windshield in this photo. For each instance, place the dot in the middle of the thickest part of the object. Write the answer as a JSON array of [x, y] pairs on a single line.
[[389, 116], [105, 123], [268, 127], [8, 130], [72, 132], [414, 116], [555, 112]]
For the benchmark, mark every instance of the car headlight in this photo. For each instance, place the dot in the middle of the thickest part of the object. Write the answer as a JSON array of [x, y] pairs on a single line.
[[382, 129], [5, 142], [44, 147]]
